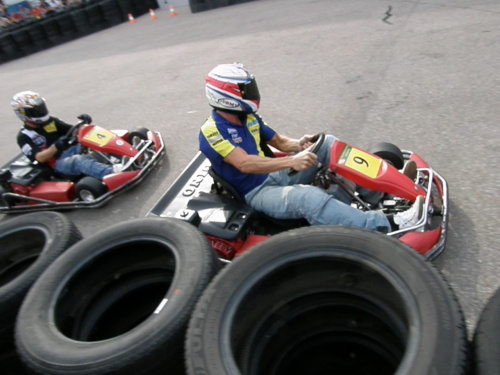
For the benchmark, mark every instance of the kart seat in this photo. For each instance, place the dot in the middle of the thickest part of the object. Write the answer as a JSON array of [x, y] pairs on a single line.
[[222, 186]]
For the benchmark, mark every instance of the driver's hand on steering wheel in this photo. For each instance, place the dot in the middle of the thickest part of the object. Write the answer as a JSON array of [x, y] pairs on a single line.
[[306, 141], [303, 160]]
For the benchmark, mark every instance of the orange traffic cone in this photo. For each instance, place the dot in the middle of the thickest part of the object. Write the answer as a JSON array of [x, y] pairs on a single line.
[[131, 19], [152, 14], [172, 11]]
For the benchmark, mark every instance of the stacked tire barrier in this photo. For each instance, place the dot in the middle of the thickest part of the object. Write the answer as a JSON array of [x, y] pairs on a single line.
[[202, 5], [149, 296], [75, 22], [29, 244], [322, 300], [118, 302]]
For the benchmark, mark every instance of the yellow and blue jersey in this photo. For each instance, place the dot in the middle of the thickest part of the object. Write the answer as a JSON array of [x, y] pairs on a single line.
[[218, 138]]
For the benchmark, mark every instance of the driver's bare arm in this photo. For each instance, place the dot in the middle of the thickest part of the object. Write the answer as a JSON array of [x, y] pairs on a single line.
[[246, 163], [286, 144], [45, 155]]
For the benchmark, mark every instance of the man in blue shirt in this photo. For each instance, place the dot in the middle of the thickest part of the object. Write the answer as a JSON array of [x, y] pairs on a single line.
[[231, 139]]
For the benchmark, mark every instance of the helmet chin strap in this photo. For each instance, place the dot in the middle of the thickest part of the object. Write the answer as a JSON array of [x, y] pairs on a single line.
[[38, 123], [242, 116]]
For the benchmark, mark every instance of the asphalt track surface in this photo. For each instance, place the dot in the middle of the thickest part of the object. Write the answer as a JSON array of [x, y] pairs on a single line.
[[424, 75]]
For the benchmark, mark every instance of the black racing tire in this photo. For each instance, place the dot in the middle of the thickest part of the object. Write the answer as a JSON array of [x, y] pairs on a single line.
[[141, 133], [118, 302], [389, 152], [28, 244], [324, 300], [486, 342], [89, 189]]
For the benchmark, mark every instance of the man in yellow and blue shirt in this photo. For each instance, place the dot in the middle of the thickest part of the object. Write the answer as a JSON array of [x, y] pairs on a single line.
[[231, 139]]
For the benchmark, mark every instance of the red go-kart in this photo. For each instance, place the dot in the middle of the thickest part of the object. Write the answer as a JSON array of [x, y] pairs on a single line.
[[367, 180], [27, 186]]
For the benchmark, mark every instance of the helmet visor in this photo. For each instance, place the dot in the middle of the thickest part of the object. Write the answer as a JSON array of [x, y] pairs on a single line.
[[250, 91], [37, 111]]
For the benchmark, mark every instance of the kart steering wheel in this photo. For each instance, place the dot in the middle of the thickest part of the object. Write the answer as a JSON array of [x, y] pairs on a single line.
[[72, 133], [318, 139]]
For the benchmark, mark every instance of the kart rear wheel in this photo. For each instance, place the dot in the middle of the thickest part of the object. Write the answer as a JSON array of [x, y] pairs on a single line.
[[28, 244], [389, 152], [324, 300], [118, 302], [88, 189]]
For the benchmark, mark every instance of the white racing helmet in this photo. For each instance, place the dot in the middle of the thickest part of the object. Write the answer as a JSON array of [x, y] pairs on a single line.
[[232, 88], [30, 107]]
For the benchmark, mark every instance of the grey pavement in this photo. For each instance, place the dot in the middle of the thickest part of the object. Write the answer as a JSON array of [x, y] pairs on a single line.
[[424, 75]]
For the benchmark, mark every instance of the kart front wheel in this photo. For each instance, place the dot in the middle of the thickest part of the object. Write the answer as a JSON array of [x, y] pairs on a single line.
[[389, 152], [137, 135], [88, 189]]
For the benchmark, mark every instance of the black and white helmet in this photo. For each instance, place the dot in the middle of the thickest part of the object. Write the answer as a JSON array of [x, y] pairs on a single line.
[[30, 107]]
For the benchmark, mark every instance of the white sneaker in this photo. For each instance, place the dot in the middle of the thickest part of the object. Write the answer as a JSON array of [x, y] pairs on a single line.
[[411, 216], [120, 167]]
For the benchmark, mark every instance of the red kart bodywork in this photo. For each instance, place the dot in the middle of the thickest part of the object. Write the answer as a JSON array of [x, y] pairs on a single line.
[[229, 225], [32, 187]]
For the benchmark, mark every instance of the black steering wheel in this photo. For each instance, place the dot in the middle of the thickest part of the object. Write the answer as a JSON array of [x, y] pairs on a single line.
[[318, 142], [72, 133]]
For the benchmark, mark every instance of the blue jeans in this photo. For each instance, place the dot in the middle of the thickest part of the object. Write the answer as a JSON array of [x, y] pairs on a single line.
[[71, 163], [292, 197]]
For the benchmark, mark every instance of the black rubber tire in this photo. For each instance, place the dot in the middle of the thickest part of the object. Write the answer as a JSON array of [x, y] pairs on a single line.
[[141, 133], [139, 7], [389, 152], [118, 302], [38, 36], [81, 21], [198, 6], [23, 41], [51, 28], [486, 342], [111, 11], [90, 188], [324, 300], [126, 8], [234, 2], [11, 364], [66, 26], [28, 244], [96, 18]]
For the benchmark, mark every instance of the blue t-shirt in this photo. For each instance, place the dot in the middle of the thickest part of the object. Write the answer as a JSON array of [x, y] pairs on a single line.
[[219, 137]]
